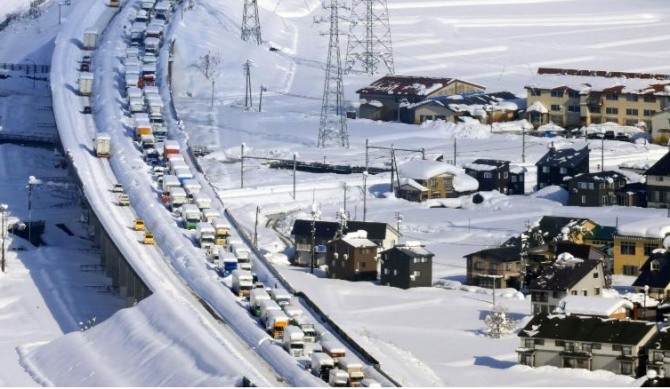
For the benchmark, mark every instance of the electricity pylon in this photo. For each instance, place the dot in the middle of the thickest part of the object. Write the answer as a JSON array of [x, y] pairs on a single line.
[[251, 27], [369, 40]]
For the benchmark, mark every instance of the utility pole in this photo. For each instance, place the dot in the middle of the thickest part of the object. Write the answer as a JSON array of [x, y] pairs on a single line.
[[366, 154], [315, 217], [392, 166], [242, 166], [251, 26], [369, 39], [365, 194], [345, 187], [333, 122], [523, 145], [3, 213], [260, 101], [294, 168], [455, 146], [398, 220], [602, 154], [248, 103], [258, 209]]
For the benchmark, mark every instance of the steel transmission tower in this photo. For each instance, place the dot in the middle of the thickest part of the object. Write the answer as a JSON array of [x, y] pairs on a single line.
[[369, 40], [251, 27], [333, 125]]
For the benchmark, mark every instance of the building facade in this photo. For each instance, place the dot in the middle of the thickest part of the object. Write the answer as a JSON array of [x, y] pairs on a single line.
[[352, 257], [595, 189], [557, 164], [658, 183], [407, 266], [496, 267]]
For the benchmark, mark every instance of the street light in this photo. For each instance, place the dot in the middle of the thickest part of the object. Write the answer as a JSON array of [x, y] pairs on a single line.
[[34, 70], [3, 213]]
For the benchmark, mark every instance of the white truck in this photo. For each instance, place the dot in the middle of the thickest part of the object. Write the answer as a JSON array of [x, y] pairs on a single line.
[[191, 186], [169, 182], [205, 234], [255, 297], [210, 215], [90, 39], [281, 296], [103, 145], [294, 341], [334, 349], [202, 201], [177, 198], [222, 228], [242, 253], [183, 174], [307, 328], [354, 370], [190, 215], [338, 378], [242, 282], [266, 306], [321, 365], [85, 83], [276, 322]]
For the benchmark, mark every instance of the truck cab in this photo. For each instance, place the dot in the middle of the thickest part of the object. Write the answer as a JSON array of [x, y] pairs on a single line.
[[334, 349], [255, 297], [148, 237], [321, 365], [242, 282], [353, 368], [338, 378], [294, 342]]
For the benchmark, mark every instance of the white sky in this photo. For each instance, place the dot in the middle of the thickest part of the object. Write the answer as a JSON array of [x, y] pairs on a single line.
[[422, 337]]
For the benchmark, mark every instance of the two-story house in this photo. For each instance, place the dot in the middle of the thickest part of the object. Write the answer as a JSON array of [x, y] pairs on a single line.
[[517, 180], [352, 257], [491, 174], [383, 234], [595, 189], [497, 267], [658, 353], [655, 276], [557, 164], [658, 183], [574, 98], [422, 180], [324, 232], [389, 97], [566, 276], [572, 341], [487, 108], [634, 243], [407, 265]]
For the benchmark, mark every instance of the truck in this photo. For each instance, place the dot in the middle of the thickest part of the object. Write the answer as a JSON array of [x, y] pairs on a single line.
[[136, 105], [280, 296], [137, 30], [162, 10], [307, 328], [169, 182], [103, 145], [152, 157], [183, 174], [202, 201], [114, 3], [222, 228], [321, 365], [228, 263], [257, 295], [266, 306], [354, 370], [338, 378], [142, 126], [190, 215], [124, 200], [205, 234], [147, 141], [160, 132], [151, 45], [242, 283], [177, 197], [276, 322], [90, 39], [293, 310], [85, 83], [191, 186], [171, 147], [210, 215], [294, 342], [242, 253], [334, 349]]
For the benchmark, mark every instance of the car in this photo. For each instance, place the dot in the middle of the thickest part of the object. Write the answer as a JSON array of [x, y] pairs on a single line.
[[87, 109], [609, 135], [138, 225], [84, 67], [124, 200], [118, 188], [148, 238]]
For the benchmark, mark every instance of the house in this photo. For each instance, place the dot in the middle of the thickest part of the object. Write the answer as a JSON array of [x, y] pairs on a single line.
[[383, 234], [574, 98], [594, 306], [658, 354], [658, 183], [655, 276], [660, 127], [491, 174], [573, 341], [407, 266], [557, 164], [567, 275], [324, 232], [543, 256], [595, 189], [601, 237], [352, 257], [386, 98], [634, 243], [487, 108], [517, 180], [500, 265], [422, 180], [633, 194], [573, 229]]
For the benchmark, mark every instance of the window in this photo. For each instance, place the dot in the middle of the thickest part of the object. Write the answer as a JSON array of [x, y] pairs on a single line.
[[415, 260], [479, 265], [488, 175], [631, 98], [611, 97], [583, 199], [658, 178], [596, 346], [573, 94], [557, 93], [527, 360], [535, 92], [626, 368], [657, 356], [595, 275], [655, 266], [508, 266], [512, 178], [594, 109], [555, 107], [648, 248], [386, 271], [342, 263], [545, 169], [556, 294], [586, 347], [596, 291], [559, 343], [585, 293], [395, 272], [612, 111], [573, 108], [529, 343], [494, 267], [361, 264], [649, 112], [563, 170], [574, 293], [631, 112], [627, 248], [649, 99], [417, 273], [629, 270], [424, 260]]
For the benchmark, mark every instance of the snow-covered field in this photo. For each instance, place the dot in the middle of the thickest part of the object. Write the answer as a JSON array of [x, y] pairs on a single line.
[[422, 337]]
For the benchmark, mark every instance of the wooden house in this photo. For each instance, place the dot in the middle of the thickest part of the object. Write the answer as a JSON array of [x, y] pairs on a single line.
[[595, 189], [557, 164], [352, 257], [324, 232], [500, 265], [422, 180], [486, 108], [491, 174], [407, 266]]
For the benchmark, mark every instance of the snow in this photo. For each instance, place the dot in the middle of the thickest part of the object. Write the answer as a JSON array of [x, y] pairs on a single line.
[[592, 305], [424, 170], [647, 228], [422, 337]]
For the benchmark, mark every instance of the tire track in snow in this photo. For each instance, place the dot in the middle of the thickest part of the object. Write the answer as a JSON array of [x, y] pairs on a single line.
[[468, 3], [558, 21]]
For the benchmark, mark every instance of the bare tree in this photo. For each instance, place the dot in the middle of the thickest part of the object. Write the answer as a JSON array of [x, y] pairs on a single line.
[[210, 66]]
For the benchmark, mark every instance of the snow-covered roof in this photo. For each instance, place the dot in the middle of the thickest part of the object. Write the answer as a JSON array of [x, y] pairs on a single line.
[[646, 228], [586, 81], [592, 305], [409, 85], [421, 169], [465, 183], [537, 107]]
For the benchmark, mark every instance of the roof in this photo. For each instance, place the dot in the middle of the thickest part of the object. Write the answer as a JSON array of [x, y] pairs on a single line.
[[658, 227], [375, 230], [564, 273], [609, 176], [475, 102], [661, 341], [602, 233], [660, 168], [485, 164], [592, 305], [421, 169], [655, 278], [500, 254], [552, 226], [586, 81], [409, 85], [564, 157], [411, 250], [587, 329], [324, 229], [579, 250]]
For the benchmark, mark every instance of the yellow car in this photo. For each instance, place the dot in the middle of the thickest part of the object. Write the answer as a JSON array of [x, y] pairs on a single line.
[[148, 238], [139, 225]]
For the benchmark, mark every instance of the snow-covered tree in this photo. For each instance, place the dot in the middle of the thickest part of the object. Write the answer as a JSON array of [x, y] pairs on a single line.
[[498, 322]]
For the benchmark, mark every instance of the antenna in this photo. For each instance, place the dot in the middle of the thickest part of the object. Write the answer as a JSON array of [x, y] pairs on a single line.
[[333, 123], [251, 27], [369, 39]]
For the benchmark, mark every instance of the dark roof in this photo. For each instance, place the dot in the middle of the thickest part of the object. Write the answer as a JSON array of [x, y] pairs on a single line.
[[324, 229], [375, 230], [661, 167], [601, 73], [475, 99], [657, 278], [408, 85], [587, 329], [600, 176], [603, 233], [661, 341], [498, 163], [409, 251], [562, 277], [579, 250], [501, 254], [551, 226], [564, 157]]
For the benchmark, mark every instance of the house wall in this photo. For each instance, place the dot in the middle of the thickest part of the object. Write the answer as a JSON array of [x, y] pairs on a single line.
[[362, 259], [510, 274], [636, 259], [590, 285], [303, 251], [432, 112], [498, 179], [516, 185], [405, 267], [555, 176], [660, 127], [658, 191], [603, 194]]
